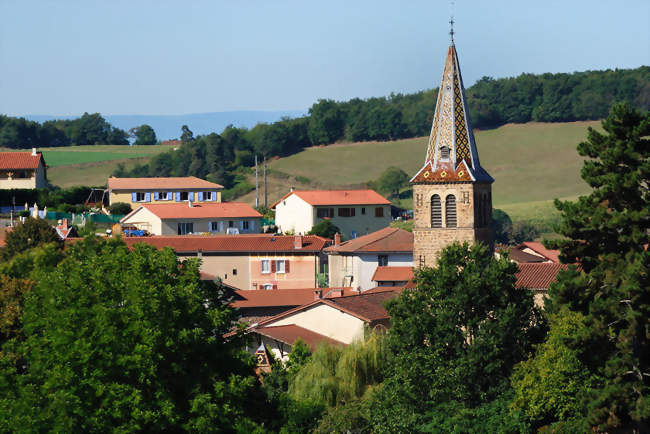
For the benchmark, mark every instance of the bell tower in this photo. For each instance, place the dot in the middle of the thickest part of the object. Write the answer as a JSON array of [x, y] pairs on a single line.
[[452, 193]]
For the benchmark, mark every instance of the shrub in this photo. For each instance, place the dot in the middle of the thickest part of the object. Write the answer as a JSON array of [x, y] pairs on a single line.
[[120, 208]]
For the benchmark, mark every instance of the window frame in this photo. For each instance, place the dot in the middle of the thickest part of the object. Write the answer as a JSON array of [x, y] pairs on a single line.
[[277, 266], [137, 196], [379, 211], [267, 269], [185, 226], [187, 196], [382, 260]]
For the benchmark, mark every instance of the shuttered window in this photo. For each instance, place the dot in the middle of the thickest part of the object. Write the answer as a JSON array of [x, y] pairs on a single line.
[[436, 212], [450, 211]]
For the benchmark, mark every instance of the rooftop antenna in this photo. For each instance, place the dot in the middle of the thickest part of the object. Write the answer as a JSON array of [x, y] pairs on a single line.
[[451, 23]]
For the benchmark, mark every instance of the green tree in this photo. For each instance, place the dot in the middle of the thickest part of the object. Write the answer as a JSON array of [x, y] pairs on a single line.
[[144, 135], [455, 338], [120, 339], [33, 232], [325, 229], [607, 233], [186, 134], [326, 122], [120, 208], [392, 180]]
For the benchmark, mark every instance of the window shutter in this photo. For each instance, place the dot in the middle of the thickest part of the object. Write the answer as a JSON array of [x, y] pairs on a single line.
[[241, 225], [170, 195], [220, 226], [272, 266], [286, 266], [436, 212], [134, 197], [147, 197], [190, 196], [156, 195], [251, 225], [200, 196], [352, 210], [177, 196], [275, 286], [450, 211], [331, 212], [261, 266]]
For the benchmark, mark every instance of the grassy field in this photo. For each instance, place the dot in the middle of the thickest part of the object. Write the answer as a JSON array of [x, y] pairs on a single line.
[[530, 162]]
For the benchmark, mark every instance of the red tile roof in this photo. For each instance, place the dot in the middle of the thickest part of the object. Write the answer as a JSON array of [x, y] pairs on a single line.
[[170, 183], [553, 255], [199, 210], [393, 274], [20, 160], [233, 243], [537, 276], [290, 333], [522, 257], [338, 197], [384, 240], [280, 297], [395, 289]]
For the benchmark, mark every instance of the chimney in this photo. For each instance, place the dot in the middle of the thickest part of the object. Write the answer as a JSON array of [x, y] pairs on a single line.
[[318, 294], [34, 152], [336, 292], [297, 242], [337, 239], [292, 188]]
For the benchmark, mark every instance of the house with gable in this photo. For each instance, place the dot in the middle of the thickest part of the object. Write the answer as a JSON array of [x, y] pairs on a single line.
[[163, 190], [22, 170], [354, 212]]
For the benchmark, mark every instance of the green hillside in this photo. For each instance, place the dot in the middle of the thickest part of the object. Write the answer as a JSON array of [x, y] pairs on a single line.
[[532, 164]]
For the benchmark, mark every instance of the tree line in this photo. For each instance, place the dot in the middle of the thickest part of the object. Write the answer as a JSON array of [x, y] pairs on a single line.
[[89, 129], [101, 336]]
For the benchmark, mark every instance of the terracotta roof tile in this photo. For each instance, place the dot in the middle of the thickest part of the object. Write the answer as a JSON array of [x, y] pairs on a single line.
[[290, 333], [233, 243], [393, 274], [171, 183], [200, 210], [377, 289], [553, 255], [20, 160], [522, 257], [366, 306], [280, 297], [384, 240], [537, 276], [338, 197]]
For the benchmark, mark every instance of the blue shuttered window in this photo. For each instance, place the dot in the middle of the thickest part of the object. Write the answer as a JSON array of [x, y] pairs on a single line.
[[200, 196], [156, 195], [177, 196], [134, 197], [191, 196], [147, 197]]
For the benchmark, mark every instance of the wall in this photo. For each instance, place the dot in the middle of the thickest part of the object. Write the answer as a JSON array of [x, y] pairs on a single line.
[[294, 214], [145, 220], [339, 267], [223, 266], [300, 275], [428, 241], [170, 226], [360, 224], [328, 321], [29, 182], [125, 195]]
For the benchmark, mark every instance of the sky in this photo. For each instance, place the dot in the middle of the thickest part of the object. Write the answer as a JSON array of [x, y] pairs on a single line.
[[66, 57]]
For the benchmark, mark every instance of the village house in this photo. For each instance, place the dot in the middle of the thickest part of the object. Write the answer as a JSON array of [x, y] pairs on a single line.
[[22, 170], [136, 191], [251, 262], [354, 262], [195, 218], [354, 212], [338, 320], [392, 276]]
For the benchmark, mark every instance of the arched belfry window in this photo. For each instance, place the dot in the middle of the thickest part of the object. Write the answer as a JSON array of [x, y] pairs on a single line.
[[436, 212], [450, 211], [444, 153]]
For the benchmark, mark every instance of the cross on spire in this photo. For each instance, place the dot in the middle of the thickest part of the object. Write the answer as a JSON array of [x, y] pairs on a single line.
[[451, 32]]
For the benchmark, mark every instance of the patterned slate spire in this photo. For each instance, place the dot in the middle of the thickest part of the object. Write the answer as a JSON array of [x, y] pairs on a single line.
[[451, 143]]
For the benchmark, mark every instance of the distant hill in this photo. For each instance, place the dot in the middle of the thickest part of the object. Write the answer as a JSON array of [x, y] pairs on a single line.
[[169, 126]]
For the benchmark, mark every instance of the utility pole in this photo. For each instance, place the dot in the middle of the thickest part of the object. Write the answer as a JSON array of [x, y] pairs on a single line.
[[266, 190], [257, 186]]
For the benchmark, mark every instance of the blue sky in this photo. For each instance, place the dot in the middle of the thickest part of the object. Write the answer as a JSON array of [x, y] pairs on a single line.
[[175, 57]]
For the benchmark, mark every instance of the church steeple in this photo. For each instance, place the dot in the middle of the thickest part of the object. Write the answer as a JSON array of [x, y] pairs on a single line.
[[452, 193], [451, 152]]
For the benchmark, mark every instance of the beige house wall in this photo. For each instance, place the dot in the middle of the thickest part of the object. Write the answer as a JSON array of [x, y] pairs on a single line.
[[126, 195], [360, 224], [327, 321], [37, 178], [170, 226], [223, 266], [428, 241], [294, 214], [145, 220]]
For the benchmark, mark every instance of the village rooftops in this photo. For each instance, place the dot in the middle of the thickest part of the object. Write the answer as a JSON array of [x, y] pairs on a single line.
[[288, 334], [285, 297], [538, 276], [384, 240], [337, 197], [162, 183], [20, 160], [393, 274], [199, 210], [535, 248], [260, 243]]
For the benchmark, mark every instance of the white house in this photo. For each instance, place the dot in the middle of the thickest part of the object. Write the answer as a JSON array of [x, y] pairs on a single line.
[[354, 212], [354, 262], [191, 218]]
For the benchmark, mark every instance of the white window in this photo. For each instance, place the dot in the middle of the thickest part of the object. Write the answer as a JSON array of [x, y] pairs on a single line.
[[185, 228], [268, 286], [163, 195], [209, 195], [140, 196], [279, 266], [266, 266], [214, 226]]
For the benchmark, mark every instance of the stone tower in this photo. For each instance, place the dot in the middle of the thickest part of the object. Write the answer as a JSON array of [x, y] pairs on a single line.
[[452, 193]]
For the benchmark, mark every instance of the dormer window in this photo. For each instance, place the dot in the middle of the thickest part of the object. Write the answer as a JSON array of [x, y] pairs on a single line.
[[444, 153]]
